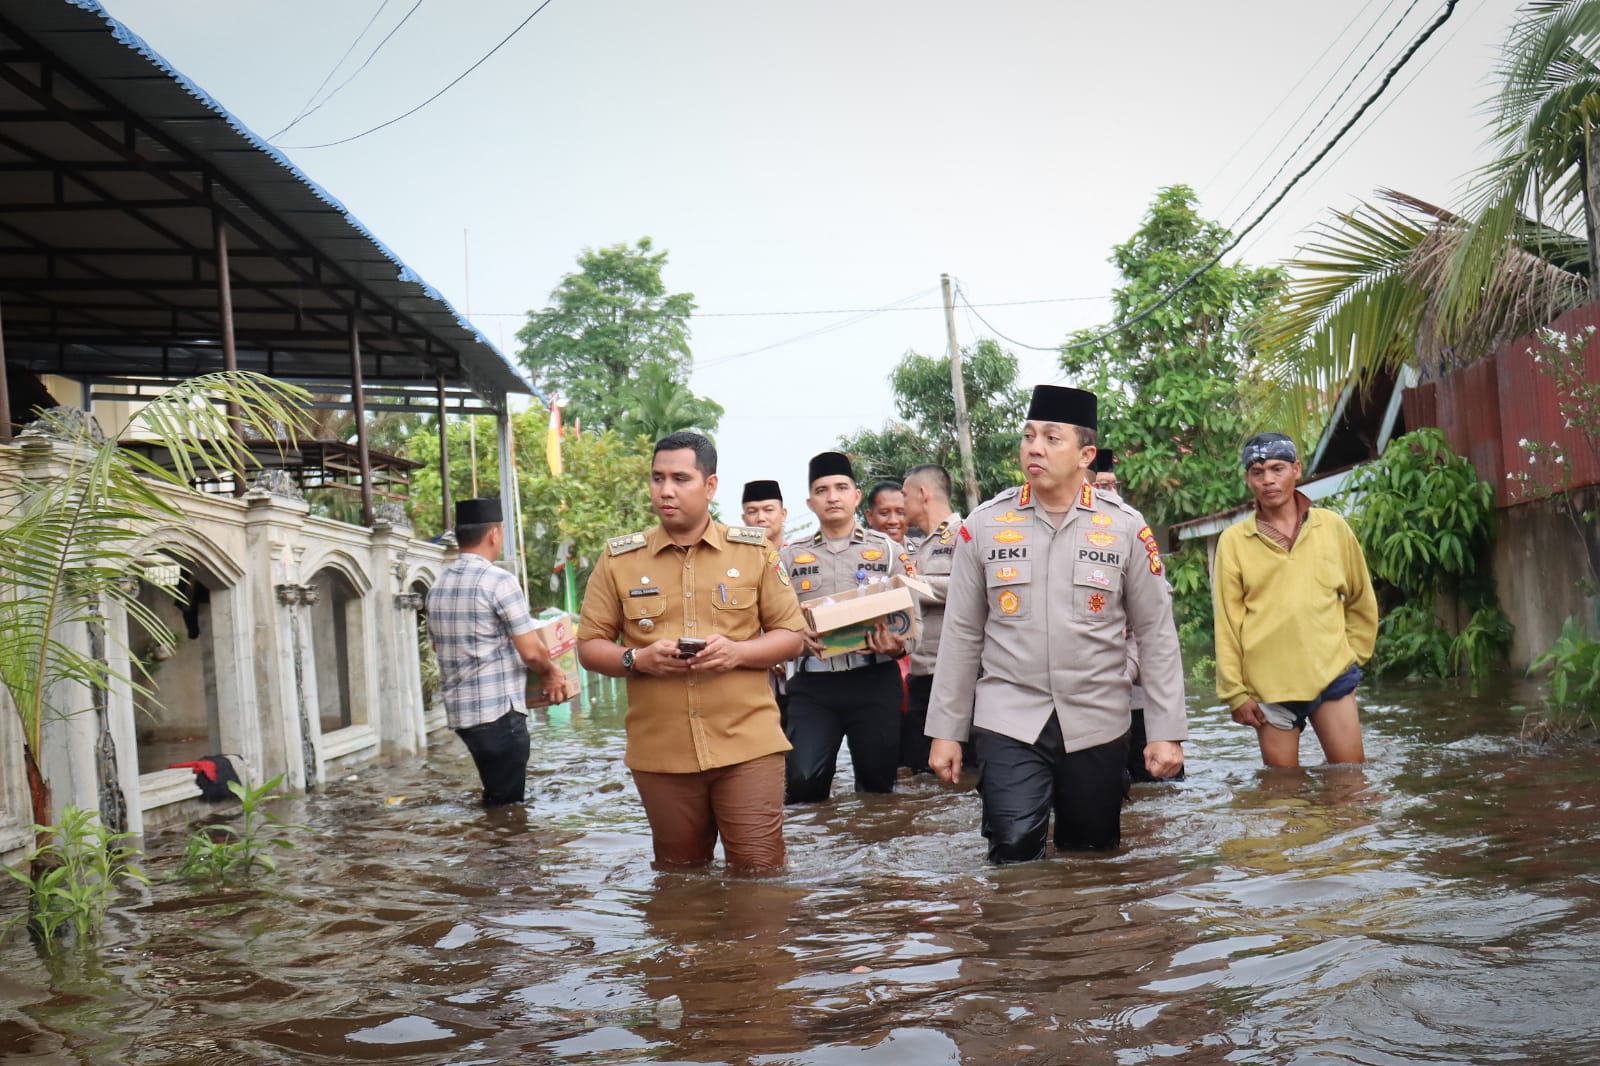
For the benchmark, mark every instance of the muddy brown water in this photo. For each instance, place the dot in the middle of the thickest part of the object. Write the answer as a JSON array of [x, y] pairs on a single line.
[[1440, 906]]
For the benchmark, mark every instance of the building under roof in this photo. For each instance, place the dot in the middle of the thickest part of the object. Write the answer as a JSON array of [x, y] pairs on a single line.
[[147, 235]]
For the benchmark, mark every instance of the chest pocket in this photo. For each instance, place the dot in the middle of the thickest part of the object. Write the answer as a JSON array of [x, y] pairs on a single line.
[[1097, 593], [639, 610], [1010, 589], [736, 614]]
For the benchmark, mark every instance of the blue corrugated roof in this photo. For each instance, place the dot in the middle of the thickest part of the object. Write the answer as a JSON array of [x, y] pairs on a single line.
[[257, 168]]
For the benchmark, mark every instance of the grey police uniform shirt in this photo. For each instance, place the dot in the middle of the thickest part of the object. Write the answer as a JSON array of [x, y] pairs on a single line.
[[1042, 612], [932, 558], [817, 568]]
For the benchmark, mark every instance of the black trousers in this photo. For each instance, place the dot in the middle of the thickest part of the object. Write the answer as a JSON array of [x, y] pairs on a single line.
[[914, 742], [1136, 743], [1021, 784], [862, 704], [500, 750]]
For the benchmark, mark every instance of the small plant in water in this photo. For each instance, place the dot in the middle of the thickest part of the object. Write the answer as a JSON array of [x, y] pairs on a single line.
[[220, 853], [1573, 662], [73, 878]]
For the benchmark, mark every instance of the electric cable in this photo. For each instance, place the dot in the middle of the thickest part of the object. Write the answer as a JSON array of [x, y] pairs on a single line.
[[830, 328], [453, 83], [962, 296], [332, 71], [354, 74], [834, 310]]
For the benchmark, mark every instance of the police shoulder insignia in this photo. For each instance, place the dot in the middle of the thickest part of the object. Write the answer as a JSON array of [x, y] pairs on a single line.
[[747, 535], [911, 567], [964, 534], [624, 544]]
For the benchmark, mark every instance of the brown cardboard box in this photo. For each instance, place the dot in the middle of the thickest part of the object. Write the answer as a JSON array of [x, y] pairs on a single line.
[[558, 632], [843, 621]]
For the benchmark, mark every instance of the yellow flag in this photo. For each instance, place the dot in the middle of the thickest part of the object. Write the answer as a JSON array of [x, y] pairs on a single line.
[[552, 440]]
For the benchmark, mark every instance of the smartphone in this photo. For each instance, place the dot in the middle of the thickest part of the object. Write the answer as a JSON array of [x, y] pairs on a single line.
[[689, 647]]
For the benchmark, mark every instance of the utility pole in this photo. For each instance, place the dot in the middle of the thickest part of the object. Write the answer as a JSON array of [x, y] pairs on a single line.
[[969, 473]]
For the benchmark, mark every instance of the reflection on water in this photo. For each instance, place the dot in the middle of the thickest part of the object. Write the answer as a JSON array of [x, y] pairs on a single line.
[[1441, 905]]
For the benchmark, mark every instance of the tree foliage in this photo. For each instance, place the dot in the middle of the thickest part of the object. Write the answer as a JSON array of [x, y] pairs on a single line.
[[604, 492], [1176, 389], [927, 430], [607, 326], [655, 406]]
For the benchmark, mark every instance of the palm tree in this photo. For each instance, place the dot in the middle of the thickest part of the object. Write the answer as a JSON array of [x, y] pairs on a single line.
[[655, 405], [72, 533]]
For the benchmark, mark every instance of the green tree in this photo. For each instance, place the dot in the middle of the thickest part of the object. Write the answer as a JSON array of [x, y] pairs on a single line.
[[1175, 388], [606, 325], [604, 492], [655, 406], [926, 432]]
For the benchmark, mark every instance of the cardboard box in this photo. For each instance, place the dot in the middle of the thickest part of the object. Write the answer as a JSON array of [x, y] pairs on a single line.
[[558, 631], [844, 620]]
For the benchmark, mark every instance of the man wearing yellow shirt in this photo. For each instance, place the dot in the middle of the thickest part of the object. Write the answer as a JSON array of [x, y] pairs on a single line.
[[1296, 615]]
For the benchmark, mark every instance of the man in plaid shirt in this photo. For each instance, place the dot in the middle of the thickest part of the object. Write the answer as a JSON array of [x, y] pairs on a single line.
[[484, 638]]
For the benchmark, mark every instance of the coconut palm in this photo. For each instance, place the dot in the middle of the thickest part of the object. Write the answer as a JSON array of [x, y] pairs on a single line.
[[73, 516], [656, 405]]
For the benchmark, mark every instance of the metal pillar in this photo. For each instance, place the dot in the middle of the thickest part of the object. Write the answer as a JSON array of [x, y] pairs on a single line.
[[5, 390], [230, 355], [508, 490], [447, 520], [359, 396]]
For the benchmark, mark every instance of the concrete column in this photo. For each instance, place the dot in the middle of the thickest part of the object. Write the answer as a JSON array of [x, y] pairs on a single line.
[[272, 528]]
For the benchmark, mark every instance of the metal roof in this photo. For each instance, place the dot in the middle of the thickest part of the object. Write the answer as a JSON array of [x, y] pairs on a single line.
[[114, 171]]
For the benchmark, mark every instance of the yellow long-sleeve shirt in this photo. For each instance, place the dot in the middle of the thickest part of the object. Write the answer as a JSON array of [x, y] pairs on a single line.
[[1289, 622]]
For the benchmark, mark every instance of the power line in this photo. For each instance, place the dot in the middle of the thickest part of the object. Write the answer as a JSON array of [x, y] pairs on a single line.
[[354, 74], [1372, 98], [961, 294], [834, 310], [331, 71], [830, 328], [1337, 100], [453, 83]]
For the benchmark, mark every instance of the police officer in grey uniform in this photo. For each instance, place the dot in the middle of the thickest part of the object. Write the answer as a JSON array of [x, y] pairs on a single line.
[[927, 493], [856, 695], [1046, 580]]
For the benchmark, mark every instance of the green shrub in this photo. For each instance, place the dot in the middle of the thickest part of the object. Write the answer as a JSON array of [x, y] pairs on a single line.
[[73, 878], [218, 853], [1573, 662]]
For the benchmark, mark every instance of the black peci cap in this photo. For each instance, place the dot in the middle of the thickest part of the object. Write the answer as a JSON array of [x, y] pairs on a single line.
[[831, 464], [762, 490], [1070, 407], [479, 512], [1105, 462]]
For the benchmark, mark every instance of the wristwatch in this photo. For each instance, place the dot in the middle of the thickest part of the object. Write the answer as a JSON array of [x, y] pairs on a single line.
[[627, 659]]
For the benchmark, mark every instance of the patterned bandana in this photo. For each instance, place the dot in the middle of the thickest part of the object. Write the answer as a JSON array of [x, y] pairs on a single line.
[[1265, 446]]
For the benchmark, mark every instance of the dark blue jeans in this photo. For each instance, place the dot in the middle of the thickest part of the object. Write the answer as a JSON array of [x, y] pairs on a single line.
[[500, 750]]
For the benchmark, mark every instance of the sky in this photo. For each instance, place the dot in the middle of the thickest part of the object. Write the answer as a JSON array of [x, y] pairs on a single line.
[[801, 160]]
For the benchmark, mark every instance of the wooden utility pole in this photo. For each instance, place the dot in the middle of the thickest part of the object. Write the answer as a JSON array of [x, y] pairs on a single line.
[[969, 473]]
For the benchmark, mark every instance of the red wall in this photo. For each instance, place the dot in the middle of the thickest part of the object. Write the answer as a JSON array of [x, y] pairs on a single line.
[[1486, 408]]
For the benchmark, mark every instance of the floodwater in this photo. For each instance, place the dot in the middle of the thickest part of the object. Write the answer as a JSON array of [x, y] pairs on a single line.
[[1440, 906]]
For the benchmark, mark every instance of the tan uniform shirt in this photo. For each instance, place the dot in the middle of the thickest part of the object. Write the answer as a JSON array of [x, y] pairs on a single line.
[[645, 588], [1042, 611], [932, 557], [817, 568]]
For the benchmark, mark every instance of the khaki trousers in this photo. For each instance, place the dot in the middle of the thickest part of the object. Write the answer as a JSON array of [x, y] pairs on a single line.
[[742, 803]]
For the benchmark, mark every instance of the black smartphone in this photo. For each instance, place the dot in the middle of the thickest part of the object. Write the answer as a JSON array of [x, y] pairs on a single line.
[[689, 647]]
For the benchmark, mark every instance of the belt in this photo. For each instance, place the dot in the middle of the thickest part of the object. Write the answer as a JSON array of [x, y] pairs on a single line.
[[855, 660]]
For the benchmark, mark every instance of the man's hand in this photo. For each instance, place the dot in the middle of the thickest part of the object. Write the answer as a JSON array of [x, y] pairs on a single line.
[[1163, 758], [813, 641], [883, 642], [554, 685], [718, 656], [944, 759], [659, 659], [1249, 713]]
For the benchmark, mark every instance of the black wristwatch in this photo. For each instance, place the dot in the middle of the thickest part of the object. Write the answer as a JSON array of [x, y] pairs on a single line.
[[627, 660]]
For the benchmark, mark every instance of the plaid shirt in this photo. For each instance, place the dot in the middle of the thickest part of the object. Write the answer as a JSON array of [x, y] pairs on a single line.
[[474, 610]]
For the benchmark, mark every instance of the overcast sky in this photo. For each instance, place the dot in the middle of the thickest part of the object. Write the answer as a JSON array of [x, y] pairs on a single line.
[[833, 155]]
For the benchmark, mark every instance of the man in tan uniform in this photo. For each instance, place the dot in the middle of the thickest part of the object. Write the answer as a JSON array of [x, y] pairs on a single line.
[[855, 695], [1046, 580], [704, 744], [927, 494]]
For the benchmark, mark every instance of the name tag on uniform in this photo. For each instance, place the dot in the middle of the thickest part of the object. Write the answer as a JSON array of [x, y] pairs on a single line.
[[653, 590]]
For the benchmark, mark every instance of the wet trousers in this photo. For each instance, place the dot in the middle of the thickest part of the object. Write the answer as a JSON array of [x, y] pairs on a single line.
[[862, 704], [1136, 743], [742, 803], [914, 743], [500, 751], [1021, 784]]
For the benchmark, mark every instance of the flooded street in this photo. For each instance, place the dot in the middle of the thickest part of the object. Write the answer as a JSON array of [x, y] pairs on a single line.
[[1440, 906]]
